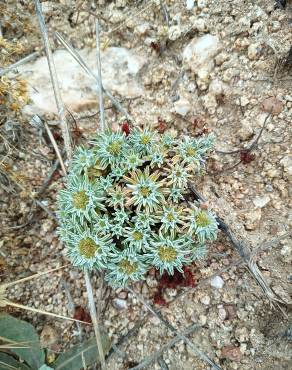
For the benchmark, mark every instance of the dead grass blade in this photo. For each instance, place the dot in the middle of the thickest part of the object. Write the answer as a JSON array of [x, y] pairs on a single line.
[[7, 302], [54, 79], [100, 89], [74, 53], [156, 355], [35, 276], [193, 349]]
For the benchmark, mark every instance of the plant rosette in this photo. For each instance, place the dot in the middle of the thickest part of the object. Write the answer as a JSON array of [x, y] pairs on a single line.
[[126, 207]]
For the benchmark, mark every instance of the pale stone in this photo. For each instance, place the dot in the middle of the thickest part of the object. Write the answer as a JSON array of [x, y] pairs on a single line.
[[199, 53], [222, 314], [286, 162], [182, 107], [217, 87], [206, 300], [119, 304], [246, 130], [142, 29], [244, 101], [174, 32], [254, 51], [202, 4], [217, 282], [200, 24], [209, 102], [120, 69], [252, 219], [190, 4], [261, 202], [273, 105]]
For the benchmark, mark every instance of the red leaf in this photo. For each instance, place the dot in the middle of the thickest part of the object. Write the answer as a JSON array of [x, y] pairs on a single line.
[[81, 314], [246, 157], [162, 126], [178, 279], [126, 128]]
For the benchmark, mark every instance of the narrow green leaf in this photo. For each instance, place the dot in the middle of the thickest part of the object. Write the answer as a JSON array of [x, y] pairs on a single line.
[[9, 363], [72, 359], [21, 331]]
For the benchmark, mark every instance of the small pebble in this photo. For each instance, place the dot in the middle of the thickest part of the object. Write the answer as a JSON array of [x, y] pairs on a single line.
[[119, 304], [217, 282], [206, 300]]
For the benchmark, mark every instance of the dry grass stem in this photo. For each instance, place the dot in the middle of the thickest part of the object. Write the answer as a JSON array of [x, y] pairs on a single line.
[[100, 88], [54, 79], [93, 315], [35, 276], [14, 66], [57, 151], [156, 355], [7, 302], [193, 349], [74, 53]]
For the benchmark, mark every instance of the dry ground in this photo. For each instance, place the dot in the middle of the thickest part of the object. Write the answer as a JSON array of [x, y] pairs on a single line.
[[239, 328]]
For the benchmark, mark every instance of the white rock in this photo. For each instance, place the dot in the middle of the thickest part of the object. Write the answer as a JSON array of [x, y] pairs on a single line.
[[286, 162], [182, 106], [202, 4], [246, 130], [217, 87], [252, 219], [209, 102], [217, 282], [206, 300], [222, 314], [175, 32], [244, 24], [254, 51], [120, 69], [119, 304], [203, 319], [260, 202], [199, 53], [200, 24], [142, 29], [244, 101], [190, 4]]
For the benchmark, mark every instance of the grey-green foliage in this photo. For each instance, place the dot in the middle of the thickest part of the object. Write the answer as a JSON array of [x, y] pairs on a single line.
[[7, 362], [72, 358], [20, 331], [123, 208], [33, 356]]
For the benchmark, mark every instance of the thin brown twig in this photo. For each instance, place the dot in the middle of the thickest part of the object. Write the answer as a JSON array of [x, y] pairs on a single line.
[[48, 179]]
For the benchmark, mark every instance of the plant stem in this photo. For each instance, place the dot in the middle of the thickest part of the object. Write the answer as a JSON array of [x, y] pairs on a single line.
[[54, 79], [93, 315], [100, 92]]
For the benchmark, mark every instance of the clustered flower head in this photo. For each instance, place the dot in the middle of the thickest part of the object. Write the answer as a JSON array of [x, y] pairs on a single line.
[[126, 205]]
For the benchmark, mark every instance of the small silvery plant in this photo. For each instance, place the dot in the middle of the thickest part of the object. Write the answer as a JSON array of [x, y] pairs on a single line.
[[126, 206]]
